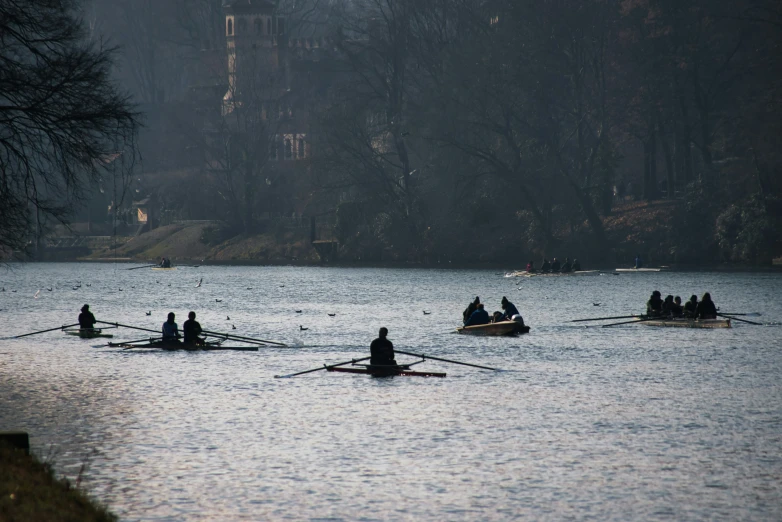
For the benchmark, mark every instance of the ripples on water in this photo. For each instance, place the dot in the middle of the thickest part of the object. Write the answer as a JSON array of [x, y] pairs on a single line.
[[621, 423]]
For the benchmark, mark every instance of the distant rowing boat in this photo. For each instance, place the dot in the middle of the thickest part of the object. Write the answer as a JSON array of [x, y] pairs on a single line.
[[688, 323], [524, 273], [168, 346], [637, 270], [163, 268], [502, 328], [88, 333], [385, 371]]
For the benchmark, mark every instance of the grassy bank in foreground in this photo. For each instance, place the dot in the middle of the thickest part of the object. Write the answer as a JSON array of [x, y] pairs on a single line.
[[29, 492]]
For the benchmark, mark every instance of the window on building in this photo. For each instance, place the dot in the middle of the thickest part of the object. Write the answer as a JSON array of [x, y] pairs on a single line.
[[241, 27], [230, 28], [281, 25], [268, 26], [302, 153], [258, 26], [288, 149]]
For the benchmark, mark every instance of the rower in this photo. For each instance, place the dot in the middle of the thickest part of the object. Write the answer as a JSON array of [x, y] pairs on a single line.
[[531, 267], [677, 307], [470, 309], [654, 306], [478, 317], [668, 306], [191, 330], [546, 266], [691, 307], [382, 350], [576, 266], [511, 312], [567, 267], [638, 261], [170, 330], [86, 319], [706, 308], [555, 266]]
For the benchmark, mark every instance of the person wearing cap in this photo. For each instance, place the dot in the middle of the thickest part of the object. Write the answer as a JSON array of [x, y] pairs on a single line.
[[478, 317], [381, 350], [511, 312], [470, 309], [192, 329], [86, 319], [170, 329], [654, 306]]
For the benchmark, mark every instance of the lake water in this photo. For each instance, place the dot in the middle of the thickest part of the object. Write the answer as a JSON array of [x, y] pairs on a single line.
[[629, 422]]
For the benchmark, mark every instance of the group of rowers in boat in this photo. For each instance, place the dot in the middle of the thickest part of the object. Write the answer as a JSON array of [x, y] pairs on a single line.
[[671, 306], [475, 314], [191, 329], [554, 267]]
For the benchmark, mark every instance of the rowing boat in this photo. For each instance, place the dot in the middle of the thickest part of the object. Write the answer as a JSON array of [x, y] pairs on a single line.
[[637, 270], [524, 273], [385, 371], [163, 268], [173, 346], [90, 333], [689, 323], [495, 329]]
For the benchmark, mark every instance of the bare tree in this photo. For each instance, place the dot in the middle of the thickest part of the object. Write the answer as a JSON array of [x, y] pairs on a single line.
[[62, 120]]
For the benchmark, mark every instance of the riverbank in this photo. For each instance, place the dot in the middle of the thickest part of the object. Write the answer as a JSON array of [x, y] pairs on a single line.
[[30, 492]]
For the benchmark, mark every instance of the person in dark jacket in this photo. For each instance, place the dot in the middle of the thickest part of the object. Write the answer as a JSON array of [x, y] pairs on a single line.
[[478, 317], [531, 267], [638, 261], [470, 309], [545, 267], [706, 308], [567, 267], [86, 319], [677, 306], [668, 306], [691, 307], [192, 329], [381, 350], [654, 306], [576, 266], [511, 312], [555, 266]]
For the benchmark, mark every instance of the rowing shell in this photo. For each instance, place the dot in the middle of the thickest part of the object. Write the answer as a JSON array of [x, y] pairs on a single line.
[[163, 268], [385, 371], [495, 329], [524, 273], [158, 345], [690, 323], [637, 270], [88, 334]]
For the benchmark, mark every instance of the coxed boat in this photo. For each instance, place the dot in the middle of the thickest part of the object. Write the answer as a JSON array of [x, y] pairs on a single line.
[[688, 323], [385, 371], [169, 346], [524, 273], [500, 329], [91, 333]]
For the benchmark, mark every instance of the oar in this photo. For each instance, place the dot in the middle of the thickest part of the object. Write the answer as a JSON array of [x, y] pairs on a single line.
[[604, 318], [131, 327], [742, 320], [232, 338], [324, 367], [641, 319], [44, 331], [147, 340], [242, 338], [137, 267], [422, 356], [751, 314]]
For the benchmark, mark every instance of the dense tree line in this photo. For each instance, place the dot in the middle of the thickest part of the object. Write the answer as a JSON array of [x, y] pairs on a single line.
[[461, 121]]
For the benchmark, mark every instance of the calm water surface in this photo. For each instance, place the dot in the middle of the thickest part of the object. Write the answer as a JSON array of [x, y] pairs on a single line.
[[630, 422]]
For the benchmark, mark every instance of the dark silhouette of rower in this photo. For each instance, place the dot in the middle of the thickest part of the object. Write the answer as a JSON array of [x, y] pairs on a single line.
[[382, 350], [192, 330], [86, 319]]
